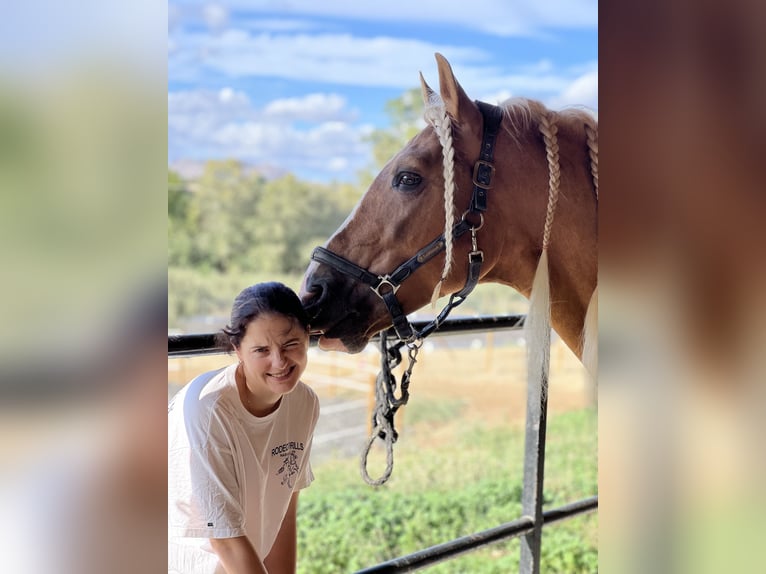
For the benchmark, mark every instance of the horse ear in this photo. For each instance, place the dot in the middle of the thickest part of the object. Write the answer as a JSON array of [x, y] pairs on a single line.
[[452, 93], [426, 89]]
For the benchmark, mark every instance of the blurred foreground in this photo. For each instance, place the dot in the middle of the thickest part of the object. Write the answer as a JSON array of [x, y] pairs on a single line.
[[83, 296], [682, 380]]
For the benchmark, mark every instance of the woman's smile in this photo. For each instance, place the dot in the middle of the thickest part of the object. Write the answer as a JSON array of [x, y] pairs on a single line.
[[283, 375]]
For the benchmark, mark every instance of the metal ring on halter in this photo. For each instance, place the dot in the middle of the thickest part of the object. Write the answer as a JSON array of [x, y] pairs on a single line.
[[415, 343], [481, 219], [385, 280]]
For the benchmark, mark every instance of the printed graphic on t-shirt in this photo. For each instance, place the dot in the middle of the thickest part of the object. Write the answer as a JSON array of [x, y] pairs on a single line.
[[290, 454]]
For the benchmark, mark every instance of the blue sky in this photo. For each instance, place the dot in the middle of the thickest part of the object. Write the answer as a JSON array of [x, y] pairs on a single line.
[[296, 85]]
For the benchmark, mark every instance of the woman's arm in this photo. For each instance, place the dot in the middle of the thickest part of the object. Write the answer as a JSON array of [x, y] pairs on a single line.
[[237, 555], [283, 555]]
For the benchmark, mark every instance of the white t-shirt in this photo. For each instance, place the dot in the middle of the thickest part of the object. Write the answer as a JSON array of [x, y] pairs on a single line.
[[231, 473]]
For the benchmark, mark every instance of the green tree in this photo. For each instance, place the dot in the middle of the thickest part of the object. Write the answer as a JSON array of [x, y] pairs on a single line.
[[178, 196], [179, 229], [223, 215], [294, 216]]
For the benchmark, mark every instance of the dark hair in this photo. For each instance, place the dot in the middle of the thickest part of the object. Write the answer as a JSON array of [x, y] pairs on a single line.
[[257, 300]]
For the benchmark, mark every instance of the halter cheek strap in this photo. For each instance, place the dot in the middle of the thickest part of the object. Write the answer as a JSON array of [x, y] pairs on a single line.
[[483, 169], [386, 286]]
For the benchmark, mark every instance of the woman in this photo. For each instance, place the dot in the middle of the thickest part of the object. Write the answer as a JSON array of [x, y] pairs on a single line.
[[239, 441]]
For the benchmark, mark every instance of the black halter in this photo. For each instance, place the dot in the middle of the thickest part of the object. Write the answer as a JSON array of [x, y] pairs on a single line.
[[386, 286]]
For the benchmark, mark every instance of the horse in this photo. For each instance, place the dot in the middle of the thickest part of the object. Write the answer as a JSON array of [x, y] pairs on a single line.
[[532, 164]]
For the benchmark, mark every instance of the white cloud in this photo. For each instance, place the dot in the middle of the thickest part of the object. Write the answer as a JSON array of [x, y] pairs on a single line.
[[581, 91], [208, 124], [338, 164], [329, 147], [215, 15], [225, 101], [346, 60], [497, 97], [498, 17], [312, 107], [330, 58], [278, 24]]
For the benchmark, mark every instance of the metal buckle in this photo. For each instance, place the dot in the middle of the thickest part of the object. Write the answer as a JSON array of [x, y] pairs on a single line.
[[385, 280], [476, 256], [486, 165], [474, 228]]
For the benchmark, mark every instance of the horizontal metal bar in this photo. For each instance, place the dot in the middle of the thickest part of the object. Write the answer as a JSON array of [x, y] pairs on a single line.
[[204, 343], [452, 549]]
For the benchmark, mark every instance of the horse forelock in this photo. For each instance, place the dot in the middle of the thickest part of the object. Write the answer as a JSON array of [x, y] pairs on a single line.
[[436, 115]]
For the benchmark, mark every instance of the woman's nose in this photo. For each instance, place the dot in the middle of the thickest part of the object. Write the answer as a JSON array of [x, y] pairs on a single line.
[[278, 358]]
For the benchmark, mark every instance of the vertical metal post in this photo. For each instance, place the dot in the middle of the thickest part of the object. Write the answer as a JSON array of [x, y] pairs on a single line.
[[534, 465]]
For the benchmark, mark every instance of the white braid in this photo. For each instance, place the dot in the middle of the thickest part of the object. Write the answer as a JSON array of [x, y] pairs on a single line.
[[437, 116], [591, 131], [537, 326], [549, 131]]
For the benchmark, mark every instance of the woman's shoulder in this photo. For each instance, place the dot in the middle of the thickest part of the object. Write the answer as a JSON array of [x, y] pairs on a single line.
[[306, 401], [204, 394], [305, 393], [199, 412], [305, 396]]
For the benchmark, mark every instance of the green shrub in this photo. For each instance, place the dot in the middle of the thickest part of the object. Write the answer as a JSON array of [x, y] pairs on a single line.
[[345, 525]]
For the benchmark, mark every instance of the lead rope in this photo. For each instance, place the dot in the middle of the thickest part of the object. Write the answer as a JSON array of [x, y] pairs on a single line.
[[387, 403]]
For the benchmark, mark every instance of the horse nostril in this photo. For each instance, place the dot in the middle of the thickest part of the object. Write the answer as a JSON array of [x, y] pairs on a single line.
[[313, 294]]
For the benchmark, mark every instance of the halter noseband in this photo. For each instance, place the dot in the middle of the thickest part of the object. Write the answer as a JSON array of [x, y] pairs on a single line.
[[386, 286]]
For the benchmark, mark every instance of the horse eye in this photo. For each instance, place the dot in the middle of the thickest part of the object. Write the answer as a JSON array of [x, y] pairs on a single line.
[[406, 181]]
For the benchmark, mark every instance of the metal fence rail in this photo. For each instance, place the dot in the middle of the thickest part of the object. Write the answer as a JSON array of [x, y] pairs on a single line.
[[454, 548], [528, 527], [204, 344]]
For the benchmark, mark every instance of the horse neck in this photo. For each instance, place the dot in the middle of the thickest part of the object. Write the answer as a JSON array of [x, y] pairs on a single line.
[[521, 198], [572, 282]]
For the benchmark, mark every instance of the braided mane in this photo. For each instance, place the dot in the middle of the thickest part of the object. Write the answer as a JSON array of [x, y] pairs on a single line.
[[520, 115]]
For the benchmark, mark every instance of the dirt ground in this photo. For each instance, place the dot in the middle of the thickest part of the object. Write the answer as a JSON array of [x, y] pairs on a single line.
[[491, 381]]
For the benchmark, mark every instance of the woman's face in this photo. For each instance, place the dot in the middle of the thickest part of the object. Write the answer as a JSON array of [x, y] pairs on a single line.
[[273, 353]]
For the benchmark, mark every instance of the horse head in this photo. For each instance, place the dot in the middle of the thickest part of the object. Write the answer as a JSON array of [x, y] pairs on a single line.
[[426, 189]]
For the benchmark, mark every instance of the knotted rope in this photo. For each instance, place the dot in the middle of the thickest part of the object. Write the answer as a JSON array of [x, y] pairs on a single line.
[[386, 405]]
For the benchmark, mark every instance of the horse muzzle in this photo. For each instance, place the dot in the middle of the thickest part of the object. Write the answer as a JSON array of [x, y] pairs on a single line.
[[339, 309]]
